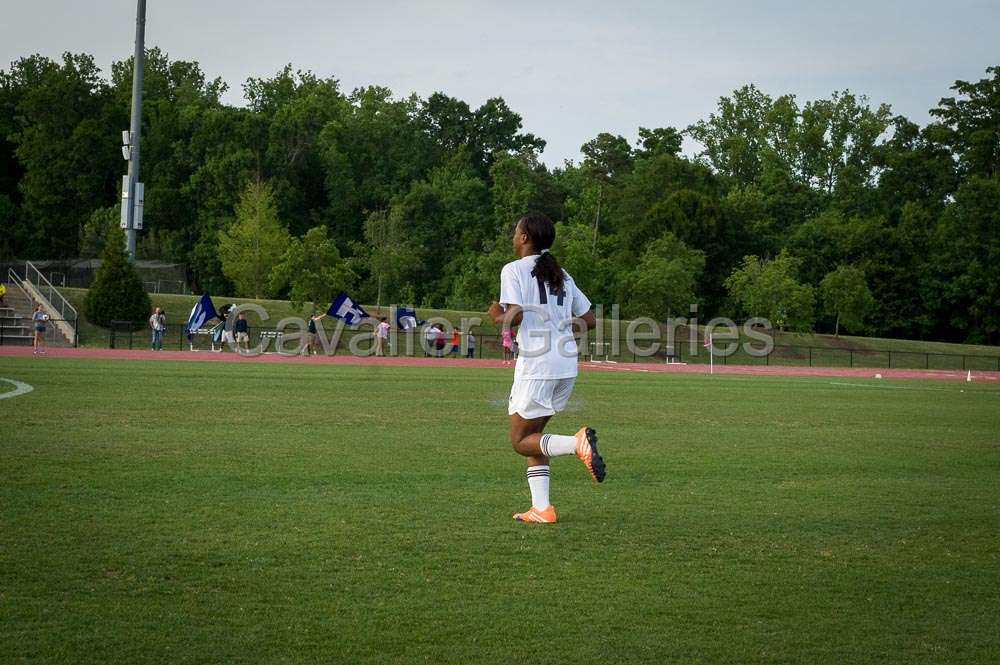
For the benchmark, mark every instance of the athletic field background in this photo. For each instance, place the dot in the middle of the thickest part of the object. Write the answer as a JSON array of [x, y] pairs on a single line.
[[187, 512]]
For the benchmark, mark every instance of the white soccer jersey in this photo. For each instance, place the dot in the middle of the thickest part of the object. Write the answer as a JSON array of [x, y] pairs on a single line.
[[546, 346]]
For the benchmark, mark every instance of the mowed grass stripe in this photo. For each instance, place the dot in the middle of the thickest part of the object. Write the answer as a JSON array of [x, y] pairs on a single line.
[[157, 511]]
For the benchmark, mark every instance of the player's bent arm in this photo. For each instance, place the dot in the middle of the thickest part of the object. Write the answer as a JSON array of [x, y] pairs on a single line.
[[510, 317], [588, 319]]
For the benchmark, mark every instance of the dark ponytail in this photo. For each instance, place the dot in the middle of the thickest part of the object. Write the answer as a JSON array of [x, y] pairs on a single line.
[[542, 233]]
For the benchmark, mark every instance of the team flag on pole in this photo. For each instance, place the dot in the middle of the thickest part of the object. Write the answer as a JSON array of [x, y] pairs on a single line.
[[202, 311], [344, 308], [407, 318]]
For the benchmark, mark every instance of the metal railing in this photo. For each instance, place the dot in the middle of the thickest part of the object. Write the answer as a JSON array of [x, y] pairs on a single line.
[[50, 293], [34, 276], [16, 280]]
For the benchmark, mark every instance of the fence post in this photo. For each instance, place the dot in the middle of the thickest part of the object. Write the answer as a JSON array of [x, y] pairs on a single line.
[[130, 331], [963, 363], [890, 358], [851, 359], [810, 356], [927, 361], [111, 336]]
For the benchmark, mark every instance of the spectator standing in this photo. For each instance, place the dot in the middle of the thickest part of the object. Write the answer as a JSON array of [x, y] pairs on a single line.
[[242, 330], [40, 319], [157, 326], [439, 340], [381, 336], [456, 342], [507, 343], [430, 337], [470, 345]]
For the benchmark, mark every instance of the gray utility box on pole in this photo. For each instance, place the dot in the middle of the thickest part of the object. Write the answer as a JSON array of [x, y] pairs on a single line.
[[136, 205]]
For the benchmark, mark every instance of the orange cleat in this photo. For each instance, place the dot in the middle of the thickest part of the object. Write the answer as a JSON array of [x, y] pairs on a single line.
[[586, 450], [545, 516]]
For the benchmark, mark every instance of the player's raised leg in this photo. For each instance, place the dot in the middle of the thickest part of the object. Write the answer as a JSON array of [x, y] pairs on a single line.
[[583, 444]]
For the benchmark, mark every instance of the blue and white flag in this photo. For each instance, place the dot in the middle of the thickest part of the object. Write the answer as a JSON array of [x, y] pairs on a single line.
[[202, 311], [346, 309], [407, 318]]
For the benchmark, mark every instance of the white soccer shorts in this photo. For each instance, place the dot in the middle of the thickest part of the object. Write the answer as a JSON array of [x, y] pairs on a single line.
[[537, 398]]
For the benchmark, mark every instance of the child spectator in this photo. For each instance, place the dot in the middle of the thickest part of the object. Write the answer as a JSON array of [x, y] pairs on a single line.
[[310, 349], [242, 330], [507, 343], [41, 318], [381, 336]]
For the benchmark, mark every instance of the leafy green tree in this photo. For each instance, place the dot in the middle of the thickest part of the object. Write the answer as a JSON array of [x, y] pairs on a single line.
[[103, 226], [477, 282], [659, 141], [971, 124], [606, 158], [520, 183], [846, 295], [370, 156], [916, 167], [839, 146], [735, 135], [177, 99], [293, 108], [663, 282], [254, 243], [450, 216], [313, 269], [490, 130], [116, 293], [388, 252], [769, 289], [966, 249], [590, 266], [60, 133]]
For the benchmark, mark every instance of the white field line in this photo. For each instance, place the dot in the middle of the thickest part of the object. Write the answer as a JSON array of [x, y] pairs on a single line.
[[19, 388], [865, 385]]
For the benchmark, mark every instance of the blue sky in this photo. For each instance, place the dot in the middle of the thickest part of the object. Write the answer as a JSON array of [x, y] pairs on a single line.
[[571, 69]]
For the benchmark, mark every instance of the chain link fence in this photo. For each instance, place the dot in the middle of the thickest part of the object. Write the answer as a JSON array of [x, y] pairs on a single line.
[[133, 335]]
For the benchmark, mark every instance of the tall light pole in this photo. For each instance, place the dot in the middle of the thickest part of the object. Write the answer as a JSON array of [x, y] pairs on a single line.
[[132, 189]]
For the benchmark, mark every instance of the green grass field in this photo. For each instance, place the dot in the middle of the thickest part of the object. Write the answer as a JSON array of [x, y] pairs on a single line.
[[184, 512]]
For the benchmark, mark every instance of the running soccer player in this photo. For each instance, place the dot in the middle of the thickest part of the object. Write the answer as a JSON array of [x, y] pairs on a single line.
[[539, 297]]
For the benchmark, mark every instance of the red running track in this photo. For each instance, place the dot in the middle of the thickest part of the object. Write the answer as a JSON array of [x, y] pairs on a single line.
[[758, 370]]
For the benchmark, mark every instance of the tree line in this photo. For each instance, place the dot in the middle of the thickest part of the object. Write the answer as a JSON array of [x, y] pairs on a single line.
[[824, 215]]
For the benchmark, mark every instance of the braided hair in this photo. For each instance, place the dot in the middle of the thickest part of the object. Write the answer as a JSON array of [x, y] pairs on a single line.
[[542, 233]]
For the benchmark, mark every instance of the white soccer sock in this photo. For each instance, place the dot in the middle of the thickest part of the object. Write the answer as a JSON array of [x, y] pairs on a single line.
[[538, 483], [554, 445]]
